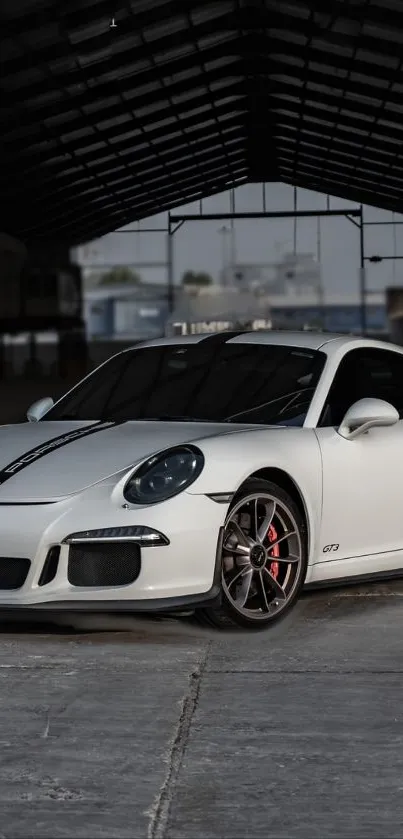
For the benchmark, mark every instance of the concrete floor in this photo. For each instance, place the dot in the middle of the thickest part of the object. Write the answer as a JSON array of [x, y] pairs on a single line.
[[164, 731]]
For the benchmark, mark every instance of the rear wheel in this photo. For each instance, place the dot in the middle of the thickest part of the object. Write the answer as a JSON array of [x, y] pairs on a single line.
[[263, 560]]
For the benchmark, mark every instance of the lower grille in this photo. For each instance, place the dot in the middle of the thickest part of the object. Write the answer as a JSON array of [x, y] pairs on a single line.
[[13, 572], [103, 564]]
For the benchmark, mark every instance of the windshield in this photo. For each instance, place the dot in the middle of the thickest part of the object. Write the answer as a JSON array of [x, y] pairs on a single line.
[[234, 382]]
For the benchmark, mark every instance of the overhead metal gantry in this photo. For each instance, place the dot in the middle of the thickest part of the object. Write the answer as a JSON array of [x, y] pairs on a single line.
[[354, 215], [113, 110]]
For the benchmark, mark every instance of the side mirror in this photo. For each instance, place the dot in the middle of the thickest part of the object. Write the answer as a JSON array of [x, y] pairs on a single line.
[[39, 409], [366, 414]]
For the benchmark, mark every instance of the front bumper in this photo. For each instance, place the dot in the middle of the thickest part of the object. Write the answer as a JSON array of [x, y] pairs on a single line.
[[179, 575]]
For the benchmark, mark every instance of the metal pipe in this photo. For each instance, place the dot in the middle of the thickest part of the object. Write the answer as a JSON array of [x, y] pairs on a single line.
[[170, 267], [223, 231], [232, 240], [394, 249], [286, 214], [381, 258], [321, 297], [363, 294], [384, 223]]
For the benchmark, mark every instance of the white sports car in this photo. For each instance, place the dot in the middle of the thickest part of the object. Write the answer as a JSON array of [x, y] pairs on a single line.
[[216, 473]]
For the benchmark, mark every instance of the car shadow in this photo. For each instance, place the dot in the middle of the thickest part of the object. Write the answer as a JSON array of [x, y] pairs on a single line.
[[325, 604]]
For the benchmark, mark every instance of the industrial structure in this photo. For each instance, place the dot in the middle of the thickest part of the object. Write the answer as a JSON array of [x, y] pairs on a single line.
[[112, 112], [115, 111]]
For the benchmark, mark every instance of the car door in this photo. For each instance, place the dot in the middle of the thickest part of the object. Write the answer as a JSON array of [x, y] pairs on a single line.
[[362, 504]]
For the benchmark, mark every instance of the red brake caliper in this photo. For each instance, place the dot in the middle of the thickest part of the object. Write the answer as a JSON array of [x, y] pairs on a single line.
[[272, 537]]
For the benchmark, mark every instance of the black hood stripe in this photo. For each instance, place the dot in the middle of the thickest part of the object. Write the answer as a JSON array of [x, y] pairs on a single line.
[[52, 445]]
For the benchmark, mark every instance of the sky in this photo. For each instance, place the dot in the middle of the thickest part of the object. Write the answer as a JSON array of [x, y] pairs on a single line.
[[199, 245]]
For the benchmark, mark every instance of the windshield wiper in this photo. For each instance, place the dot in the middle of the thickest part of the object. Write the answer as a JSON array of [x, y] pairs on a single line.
[[291, 397]]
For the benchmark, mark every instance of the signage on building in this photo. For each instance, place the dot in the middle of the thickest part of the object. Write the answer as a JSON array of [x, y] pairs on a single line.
[[205, 327]]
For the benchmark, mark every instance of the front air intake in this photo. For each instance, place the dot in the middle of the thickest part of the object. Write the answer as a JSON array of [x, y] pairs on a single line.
[[50, 566], [13, 572], [103, 565]]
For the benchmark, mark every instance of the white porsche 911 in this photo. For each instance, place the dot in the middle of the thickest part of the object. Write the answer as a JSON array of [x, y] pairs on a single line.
[[219, 474]]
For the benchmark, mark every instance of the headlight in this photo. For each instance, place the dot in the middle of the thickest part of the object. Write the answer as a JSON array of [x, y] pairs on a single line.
[[164, 475]]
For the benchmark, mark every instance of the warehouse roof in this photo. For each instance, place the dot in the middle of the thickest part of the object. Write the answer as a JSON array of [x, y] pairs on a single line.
[[114, 111]]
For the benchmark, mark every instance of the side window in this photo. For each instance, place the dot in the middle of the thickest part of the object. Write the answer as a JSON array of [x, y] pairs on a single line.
[[382, 374], [364, 373]]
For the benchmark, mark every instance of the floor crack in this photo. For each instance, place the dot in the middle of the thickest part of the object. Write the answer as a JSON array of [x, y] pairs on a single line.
[[159, 814]]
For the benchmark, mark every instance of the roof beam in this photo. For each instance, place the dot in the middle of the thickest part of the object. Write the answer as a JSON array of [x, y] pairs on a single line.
[[128, 151], [175, 169], [134, 103]]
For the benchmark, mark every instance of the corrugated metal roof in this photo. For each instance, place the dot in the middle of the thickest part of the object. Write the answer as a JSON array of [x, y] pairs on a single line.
[[181, 99]]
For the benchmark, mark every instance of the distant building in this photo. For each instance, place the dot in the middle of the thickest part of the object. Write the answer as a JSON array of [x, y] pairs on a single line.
[[142, 312], [214, 309], [293, 290], [337, 314], [296, 275], [138, 312]]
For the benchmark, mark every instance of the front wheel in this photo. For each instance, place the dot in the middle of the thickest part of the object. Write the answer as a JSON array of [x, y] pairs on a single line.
[[263, 560]]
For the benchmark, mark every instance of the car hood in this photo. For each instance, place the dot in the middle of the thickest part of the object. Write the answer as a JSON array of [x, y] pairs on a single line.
[[47, 460]]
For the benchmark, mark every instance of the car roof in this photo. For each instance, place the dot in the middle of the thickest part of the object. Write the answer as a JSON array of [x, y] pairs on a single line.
[[328, 341]]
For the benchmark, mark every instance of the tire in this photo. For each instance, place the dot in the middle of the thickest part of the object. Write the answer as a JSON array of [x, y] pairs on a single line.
[[259, 587]]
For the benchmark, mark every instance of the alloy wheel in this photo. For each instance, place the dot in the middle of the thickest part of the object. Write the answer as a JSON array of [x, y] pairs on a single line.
[[261, 556]]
